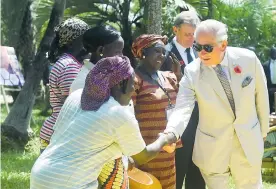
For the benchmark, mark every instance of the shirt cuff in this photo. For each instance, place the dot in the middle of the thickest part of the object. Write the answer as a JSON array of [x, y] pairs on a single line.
[[172, 130]]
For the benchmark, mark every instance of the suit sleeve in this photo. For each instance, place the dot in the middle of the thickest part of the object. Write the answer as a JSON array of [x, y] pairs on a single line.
[[261, 96], [185, 103]]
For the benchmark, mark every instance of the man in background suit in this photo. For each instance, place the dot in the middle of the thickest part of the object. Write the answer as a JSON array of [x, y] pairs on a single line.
[[181, 45], [270, 72]]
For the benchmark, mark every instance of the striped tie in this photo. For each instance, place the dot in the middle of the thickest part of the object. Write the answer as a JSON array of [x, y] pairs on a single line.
[[226, 85]]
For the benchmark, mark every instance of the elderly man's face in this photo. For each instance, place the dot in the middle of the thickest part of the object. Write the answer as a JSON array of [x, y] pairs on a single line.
[[212, 55], [184, 35]]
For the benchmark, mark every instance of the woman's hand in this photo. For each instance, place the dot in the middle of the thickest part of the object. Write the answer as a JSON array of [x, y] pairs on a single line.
[[170, 143], [152, 150], [131, 163], [176, 67]]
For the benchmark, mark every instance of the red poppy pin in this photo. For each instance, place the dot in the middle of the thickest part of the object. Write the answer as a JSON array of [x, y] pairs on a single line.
[[237, 69], [181, 62]]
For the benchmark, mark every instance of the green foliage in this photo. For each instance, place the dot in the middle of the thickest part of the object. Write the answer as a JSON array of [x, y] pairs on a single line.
[[250, 23], [173, 7]]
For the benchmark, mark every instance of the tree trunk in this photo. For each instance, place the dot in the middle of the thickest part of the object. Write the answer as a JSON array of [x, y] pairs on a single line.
[[154, 17], [126, 31], [16, 124], [12, 12], [25, 47]]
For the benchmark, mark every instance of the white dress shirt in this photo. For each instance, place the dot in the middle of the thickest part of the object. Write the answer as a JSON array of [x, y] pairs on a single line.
[[273, 71], [182, 51], [79, 82]]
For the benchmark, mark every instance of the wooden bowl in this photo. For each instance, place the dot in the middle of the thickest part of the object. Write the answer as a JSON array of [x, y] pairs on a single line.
[[141, 180]]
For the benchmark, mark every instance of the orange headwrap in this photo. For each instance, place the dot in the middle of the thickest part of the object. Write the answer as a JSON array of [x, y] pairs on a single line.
[[145, 41]]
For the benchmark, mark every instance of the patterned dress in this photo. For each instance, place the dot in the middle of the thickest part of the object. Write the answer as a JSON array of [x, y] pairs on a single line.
[[63, 73], [149, 103]]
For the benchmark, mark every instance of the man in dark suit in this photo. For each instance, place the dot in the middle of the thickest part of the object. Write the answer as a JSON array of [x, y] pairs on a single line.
[[181, 45], [270, 72]]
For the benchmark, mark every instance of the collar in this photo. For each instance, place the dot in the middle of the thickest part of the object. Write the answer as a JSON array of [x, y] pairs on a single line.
[[87, 64], [224, 61], [179, 46], [67, 54]]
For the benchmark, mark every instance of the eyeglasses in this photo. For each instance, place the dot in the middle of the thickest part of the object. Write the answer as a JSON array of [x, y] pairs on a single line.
[[207, 48], [188, 34]]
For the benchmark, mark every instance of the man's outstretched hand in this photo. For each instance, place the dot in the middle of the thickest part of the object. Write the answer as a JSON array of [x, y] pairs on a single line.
[[170, 140]]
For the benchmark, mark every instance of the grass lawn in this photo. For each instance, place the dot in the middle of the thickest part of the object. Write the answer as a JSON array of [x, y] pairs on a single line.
[[16, 166]]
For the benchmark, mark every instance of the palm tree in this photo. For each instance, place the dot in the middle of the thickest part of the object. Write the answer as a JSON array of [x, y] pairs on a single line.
[[154, 17], [124, 15], [12, 12], [16, 124], [25, 46]]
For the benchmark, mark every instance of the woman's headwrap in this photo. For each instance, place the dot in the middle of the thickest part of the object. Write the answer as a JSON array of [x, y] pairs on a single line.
[[69, 30], [145, 41], [107, 73]]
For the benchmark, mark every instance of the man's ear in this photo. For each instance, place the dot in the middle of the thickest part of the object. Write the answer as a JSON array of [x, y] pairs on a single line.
[[175, 29], [224, 45]]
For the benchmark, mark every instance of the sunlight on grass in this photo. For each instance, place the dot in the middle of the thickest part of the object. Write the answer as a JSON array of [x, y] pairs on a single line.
[[16, 166]]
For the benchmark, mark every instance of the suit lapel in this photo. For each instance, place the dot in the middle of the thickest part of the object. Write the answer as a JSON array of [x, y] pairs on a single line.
[[209, 76], [178, 56], [236, 78], [195, 53], [176, 52], [269, 71]]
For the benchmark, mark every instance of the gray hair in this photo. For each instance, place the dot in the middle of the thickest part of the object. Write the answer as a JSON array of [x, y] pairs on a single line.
[[186, 17], [214, 27]]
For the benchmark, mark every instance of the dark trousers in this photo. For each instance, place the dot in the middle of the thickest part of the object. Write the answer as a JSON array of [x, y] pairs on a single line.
[[185, 168]]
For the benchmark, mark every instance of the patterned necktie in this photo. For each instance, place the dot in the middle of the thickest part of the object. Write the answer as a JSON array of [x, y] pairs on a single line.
[[226, 85], [189, 56]]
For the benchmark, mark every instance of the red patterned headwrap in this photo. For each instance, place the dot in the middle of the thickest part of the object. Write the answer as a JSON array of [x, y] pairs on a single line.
[[107, 73], [145, 41]]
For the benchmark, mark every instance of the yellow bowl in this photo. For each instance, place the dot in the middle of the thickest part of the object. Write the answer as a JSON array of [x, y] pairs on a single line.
[[141, 180]]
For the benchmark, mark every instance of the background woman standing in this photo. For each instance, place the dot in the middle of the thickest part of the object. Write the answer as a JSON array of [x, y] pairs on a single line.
[[66, 53], [155, 93]]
